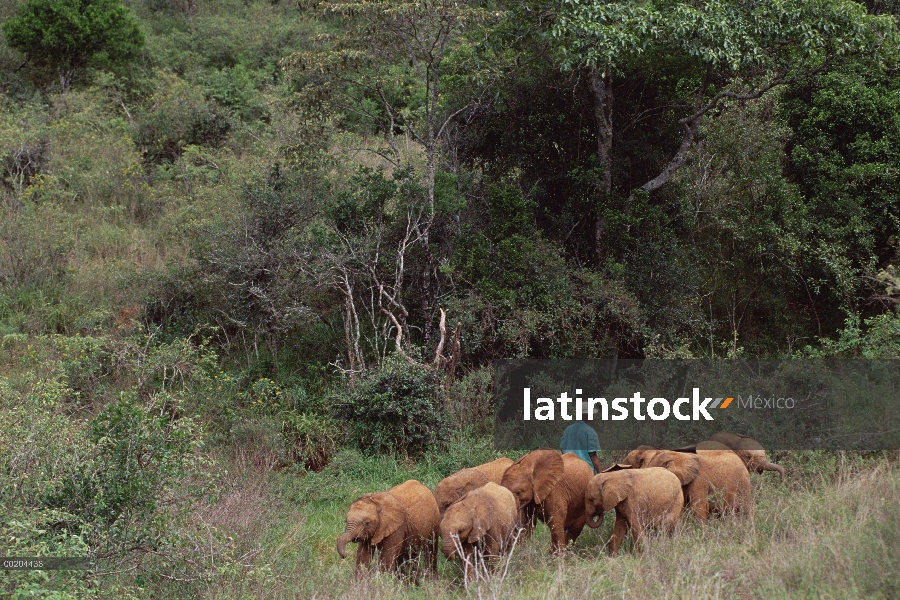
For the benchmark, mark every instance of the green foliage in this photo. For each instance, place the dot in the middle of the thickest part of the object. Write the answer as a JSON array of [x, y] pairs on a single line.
[[845, 156], [179, 115], [777, 36], [36, 533], [35, 242], [249, 267], [23, 145], [396, 409], [137, 453], [210, 182], [237, 90], [311, 439], [71, 34], [527, 300]]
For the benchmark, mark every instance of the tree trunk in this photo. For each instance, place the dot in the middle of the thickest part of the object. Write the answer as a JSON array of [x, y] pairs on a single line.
[[601, 91], [430, 152]]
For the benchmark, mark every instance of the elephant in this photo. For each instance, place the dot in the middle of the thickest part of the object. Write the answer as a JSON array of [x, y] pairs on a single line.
[[552, 486], [750, 451], [644, 499], [399, 522], [455, 486], [717, 472], [484, 519]]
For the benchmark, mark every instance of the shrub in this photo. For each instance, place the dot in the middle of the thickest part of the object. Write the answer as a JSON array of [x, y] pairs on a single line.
[[395, 409], [309, 439], [179, 116], [470, 401], [138, 454], [35, 533], [35, 243]]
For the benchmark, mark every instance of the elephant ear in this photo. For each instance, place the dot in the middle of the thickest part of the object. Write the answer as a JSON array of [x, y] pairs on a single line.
[[547, 471], [614, 490], [692, 449], [684, 466], [391, 515], [482, 515], [617, 467], [748, 443]]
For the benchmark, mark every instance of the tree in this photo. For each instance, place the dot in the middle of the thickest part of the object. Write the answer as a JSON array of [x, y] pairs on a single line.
[[69, 34], [715, 50], [385, 71]]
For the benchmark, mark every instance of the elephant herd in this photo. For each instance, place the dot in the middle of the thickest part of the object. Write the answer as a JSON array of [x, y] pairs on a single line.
[[486, 507]]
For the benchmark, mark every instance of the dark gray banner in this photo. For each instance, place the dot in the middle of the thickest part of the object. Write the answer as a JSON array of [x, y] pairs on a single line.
[[836, 404], [46, 563]]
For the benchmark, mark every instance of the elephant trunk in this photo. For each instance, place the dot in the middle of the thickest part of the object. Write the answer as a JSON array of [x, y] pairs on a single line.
[[770, 466], [593, 518], [350, 534], [448, 547]]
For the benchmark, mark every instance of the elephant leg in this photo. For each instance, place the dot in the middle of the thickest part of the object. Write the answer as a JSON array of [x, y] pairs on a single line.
[[528, 517], [468, 564], [670, 523], [639, 531], [557, 538], [491, 547], [619, 531], [363, 558], [432, 556], [557, 525], [731, 504], [573, 532], [391, 548], [700, 503]]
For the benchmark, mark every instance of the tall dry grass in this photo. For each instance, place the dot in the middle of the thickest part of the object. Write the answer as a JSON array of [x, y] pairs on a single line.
[[829, 533]]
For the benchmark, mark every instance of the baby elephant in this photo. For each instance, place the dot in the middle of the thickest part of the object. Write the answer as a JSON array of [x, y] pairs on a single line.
[[644, 499], [484, 519], [399, 523]]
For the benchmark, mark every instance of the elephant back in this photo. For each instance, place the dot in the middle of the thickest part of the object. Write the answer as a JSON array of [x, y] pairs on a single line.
[[726, 472], [455, 486], [504, 504], [658, 485], [495, 469], [422, 515]]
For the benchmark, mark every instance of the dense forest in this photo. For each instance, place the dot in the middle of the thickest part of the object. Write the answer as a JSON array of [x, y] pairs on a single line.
[[258, 257]]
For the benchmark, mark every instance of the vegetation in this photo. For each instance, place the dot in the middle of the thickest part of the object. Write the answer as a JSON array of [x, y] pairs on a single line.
[[67, 35], [258, 257]]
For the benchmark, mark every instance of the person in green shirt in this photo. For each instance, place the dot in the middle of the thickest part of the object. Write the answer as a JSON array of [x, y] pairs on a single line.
[[580, 438]]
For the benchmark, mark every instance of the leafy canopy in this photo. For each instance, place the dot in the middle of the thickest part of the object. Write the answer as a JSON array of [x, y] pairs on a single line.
[[69, 34], [773, 35]]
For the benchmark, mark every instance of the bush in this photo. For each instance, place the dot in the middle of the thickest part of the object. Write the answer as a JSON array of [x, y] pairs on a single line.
[[309, 439], [179, 116], [35, 243], [138, 454], [396, 409], [471, 400]]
